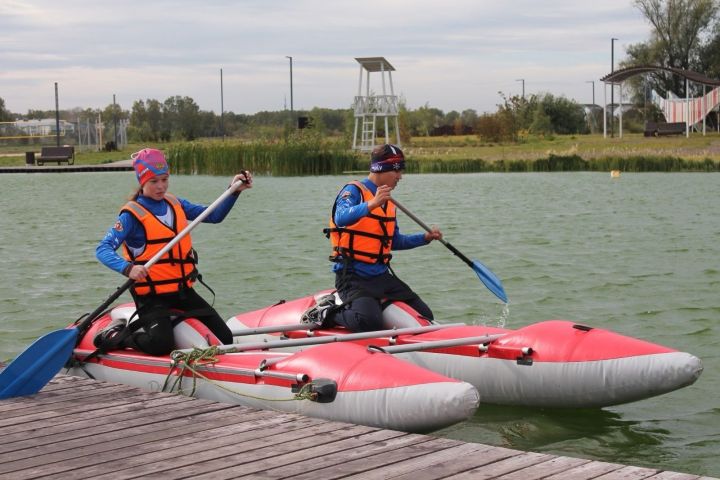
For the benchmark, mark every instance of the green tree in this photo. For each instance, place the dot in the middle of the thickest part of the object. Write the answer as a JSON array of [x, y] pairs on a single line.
[[5, 115], [566, 116], [710, 55], [111, 115], [424, 120], [181, 118], [495, 127], [679, 27], [541, 125]]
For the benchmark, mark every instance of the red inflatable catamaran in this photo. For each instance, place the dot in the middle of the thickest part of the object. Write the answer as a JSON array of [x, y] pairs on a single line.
[[553, 363], [342, 381]]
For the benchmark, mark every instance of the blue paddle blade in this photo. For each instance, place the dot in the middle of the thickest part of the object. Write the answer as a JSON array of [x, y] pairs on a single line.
[[490, 280], [30, 371]]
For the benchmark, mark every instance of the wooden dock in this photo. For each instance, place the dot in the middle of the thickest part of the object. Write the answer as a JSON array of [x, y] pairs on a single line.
[[78, 428], [122, 165]]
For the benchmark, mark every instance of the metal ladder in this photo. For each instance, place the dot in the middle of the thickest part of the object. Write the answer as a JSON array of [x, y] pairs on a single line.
[[367, 141]]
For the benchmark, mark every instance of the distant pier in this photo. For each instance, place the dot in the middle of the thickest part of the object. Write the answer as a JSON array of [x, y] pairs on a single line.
[[122, 165]]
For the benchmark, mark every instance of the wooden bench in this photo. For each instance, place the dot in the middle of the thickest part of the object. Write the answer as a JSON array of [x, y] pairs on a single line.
[[56, 154], [653, 129]]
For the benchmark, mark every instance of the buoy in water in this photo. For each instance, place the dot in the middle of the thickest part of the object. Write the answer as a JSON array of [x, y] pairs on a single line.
[[614, 173]]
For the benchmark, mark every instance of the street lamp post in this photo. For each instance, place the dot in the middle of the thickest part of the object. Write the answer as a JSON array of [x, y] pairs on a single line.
[[612, 88], [222, 108], [115, 122], [523, 86], [592, 106], [291, 84], [593, 90]]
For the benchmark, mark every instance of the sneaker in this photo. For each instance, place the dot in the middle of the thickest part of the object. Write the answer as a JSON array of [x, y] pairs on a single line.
[[318, 314], [106, 335]]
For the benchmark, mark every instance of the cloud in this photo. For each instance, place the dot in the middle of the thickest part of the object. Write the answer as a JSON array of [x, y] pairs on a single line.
[[453, 55]]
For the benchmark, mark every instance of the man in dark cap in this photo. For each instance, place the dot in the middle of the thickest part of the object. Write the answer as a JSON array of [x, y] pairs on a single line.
[[363, 231]]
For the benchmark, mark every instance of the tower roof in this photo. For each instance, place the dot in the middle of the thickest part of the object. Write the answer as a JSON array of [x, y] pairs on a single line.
[[375, 64]]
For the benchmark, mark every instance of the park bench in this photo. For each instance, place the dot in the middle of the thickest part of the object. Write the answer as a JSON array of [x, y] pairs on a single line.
[[56, 154], [657, 129]]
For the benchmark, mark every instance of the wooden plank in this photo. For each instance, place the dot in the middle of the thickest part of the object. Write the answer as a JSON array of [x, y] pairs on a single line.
[[448, 462], [84, 418], [629, 473], [121, 437], [149, 458], [97, 457], [260, 443], [586, 471], [67, 410], [372, 466], [503, 467], [674, 476], [66, 402], [286, 454], [317, 461], [90, 427], [549, 467], [50, 397], [93, 405]]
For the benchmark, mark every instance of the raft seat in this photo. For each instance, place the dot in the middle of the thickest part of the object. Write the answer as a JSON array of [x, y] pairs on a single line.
[[189, 333]]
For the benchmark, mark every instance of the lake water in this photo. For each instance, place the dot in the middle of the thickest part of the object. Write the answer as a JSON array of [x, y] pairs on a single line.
[[637, 255]]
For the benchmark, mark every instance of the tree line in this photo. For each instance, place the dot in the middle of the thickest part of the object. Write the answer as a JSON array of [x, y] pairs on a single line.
[[180, 118]]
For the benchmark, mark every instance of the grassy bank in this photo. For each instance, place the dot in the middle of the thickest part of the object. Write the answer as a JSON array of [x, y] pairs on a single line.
[[310, 155]]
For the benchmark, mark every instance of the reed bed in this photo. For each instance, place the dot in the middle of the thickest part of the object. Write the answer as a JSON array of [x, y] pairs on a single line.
[[316, 156], [288, 158], [566, 163]]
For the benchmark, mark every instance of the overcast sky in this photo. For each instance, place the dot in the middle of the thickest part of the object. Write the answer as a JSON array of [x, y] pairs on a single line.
[[450, 54]]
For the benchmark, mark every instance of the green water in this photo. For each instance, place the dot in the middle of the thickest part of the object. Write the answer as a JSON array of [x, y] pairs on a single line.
[[637, 255]]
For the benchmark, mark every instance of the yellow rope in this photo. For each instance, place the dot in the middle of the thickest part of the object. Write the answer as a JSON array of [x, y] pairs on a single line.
[[199, 357]]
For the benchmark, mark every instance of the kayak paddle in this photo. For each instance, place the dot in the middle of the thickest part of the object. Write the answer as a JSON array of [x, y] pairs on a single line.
[[488, 278], [42, 360]]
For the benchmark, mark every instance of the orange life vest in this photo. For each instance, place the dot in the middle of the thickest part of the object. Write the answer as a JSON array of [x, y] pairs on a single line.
[[176, 269], [368, 240]]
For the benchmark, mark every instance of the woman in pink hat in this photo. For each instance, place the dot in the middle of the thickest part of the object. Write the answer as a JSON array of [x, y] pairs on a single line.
[[163, 293]]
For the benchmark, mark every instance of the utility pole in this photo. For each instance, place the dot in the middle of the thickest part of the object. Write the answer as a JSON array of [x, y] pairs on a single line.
[[291, 85], [115, 121], [593, 90], [57, 118], [222, 108], [523, 86], [592, 107], [612, 88]]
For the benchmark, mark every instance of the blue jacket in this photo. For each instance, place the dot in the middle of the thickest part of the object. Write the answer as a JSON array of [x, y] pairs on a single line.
[[351, 208], [129, 230]]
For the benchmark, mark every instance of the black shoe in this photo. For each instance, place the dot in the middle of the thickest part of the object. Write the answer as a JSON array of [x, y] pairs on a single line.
[[317, 315], [105, 336]]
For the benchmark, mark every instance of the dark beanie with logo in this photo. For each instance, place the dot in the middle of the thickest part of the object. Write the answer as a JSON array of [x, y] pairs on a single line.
[[386, 158]]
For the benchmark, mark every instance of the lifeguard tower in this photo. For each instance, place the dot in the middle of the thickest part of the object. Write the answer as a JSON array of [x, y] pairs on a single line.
[[369, 107]]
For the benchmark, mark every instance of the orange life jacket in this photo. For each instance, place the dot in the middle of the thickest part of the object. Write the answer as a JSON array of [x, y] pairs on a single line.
[[176, 269], [368, 240]]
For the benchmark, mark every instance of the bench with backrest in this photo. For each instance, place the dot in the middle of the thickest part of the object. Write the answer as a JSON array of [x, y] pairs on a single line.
[[56, 154], [653, 129]]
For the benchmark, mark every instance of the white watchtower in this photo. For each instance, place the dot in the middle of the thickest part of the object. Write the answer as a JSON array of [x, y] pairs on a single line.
[[370, 107]]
